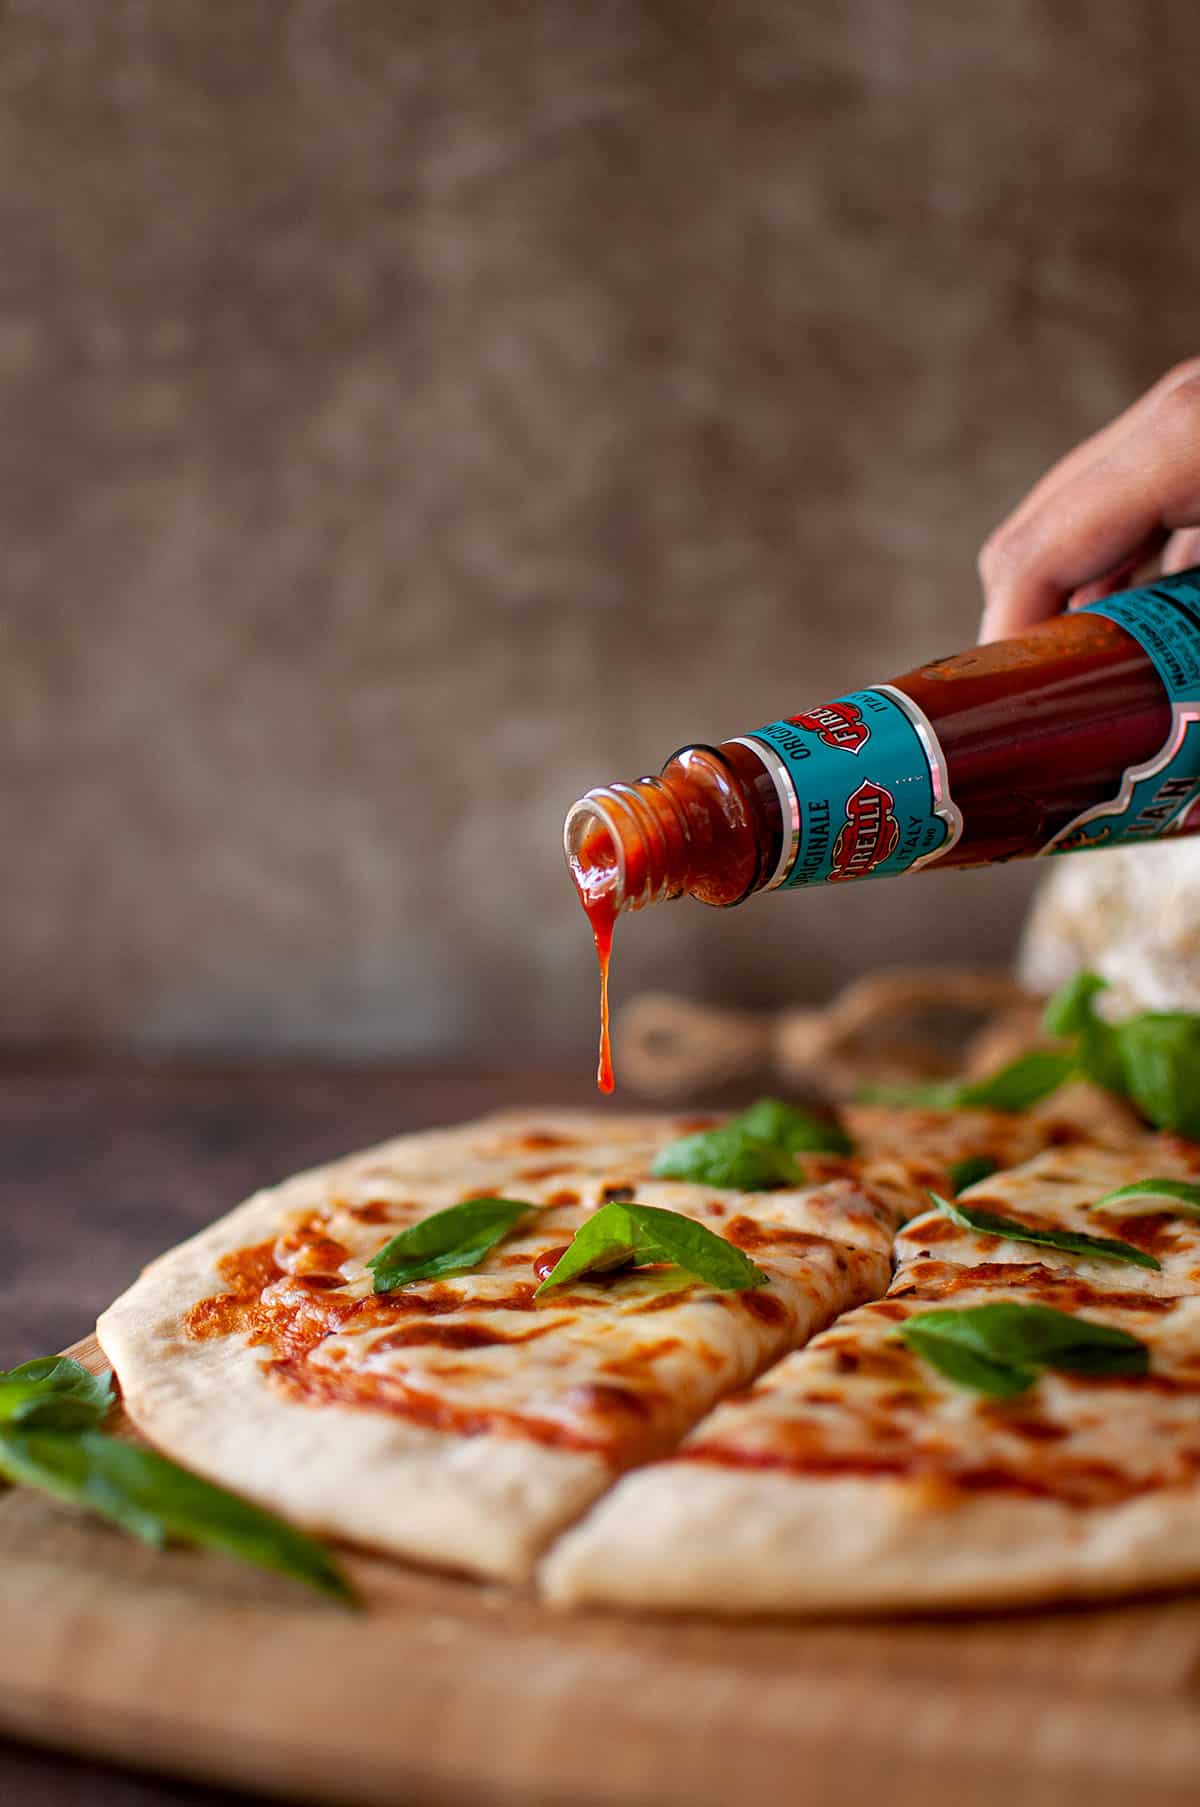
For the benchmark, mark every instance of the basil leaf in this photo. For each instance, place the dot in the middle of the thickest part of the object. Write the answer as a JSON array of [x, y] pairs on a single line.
[[1153, 1058], [637, 1234], [998, 1348], [1146, 1198], [928, 1095], [1016, 1087], [448, 1242], [1071, 1011], [961, 1362], [1021, 1084], [789, 1127], [727, 1157], [992, 1223], [54, 1393], [144, 1493], [969, 1171], [1160, 1060]]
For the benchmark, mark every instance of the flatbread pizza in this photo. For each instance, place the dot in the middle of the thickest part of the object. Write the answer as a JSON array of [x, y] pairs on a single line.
[[774, 1388]]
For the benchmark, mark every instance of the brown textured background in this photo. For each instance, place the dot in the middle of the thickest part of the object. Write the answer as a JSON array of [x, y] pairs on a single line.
[[413, 414]]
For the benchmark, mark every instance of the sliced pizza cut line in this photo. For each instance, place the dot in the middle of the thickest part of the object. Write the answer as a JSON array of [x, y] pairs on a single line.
[[856, 1476], [1056, 1192], [461, 1421]]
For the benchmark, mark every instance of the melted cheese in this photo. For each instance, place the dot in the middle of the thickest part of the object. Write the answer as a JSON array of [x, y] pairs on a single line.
[[858, 1402], [621, 1365]]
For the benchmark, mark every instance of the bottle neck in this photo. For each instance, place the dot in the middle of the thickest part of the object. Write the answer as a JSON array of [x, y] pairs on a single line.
[[711, 826]]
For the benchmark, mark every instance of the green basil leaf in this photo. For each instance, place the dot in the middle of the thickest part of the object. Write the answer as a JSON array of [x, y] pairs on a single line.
[[149, 1496], [727, 1157], [960, 1361], [1021, 1084], [1016, 1087], [1160, 1061], [448, 1242], [1074, 1242], [998, 1348], [54, 1393], [928, 1095], [1147, 1198], [1071, 1011], [621, 1234], [969, 1171], [789, 1127]]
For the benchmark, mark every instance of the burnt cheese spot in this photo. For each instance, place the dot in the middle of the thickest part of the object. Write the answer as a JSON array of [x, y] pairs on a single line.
[[377, 1210], [599, 1399], [939, 1229], [748, 1233], [765, 1307], [453, 1336]]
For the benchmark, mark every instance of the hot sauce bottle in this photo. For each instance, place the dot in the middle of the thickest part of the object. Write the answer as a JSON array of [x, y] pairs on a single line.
[[1081, 733]]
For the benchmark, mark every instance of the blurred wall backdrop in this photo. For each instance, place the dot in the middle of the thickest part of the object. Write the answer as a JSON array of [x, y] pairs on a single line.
[[412, 414]]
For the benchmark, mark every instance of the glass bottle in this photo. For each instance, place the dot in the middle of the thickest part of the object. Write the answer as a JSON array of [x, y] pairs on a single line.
[[1081, 733]]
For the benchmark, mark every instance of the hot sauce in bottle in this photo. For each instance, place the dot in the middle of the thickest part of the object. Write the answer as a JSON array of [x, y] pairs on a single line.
[[1085, 732]]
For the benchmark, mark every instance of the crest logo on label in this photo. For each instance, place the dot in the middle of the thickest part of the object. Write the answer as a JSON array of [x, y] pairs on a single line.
[[839, 725], [868, 835]]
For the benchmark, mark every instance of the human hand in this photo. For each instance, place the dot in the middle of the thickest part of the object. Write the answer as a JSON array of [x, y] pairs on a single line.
[[1130, 492]]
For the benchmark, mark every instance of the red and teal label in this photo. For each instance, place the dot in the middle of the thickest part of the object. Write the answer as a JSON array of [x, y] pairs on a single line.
[[863, 786], [1159, 797]]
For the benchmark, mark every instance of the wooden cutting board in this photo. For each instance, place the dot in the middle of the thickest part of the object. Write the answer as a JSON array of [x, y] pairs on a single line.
[[445, 1691]]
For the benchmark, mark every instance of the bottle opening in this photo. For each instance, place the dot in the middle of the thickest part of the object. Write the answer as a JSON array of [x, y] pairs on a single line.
[[595, 853], [626, 843]]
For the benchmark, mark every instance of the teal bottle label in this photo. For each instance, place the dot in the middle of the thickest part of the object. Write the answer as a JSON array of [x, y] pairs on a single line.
[[864, 788], [1155, 798]]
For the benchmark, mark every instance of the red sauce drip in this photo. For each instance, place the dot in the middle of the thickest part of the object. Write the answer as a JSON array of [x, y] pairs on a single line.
[[602, 916]]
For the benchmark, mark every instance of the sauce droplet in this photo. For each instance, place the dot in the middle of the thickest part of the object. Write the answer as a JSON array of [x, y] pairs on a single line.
[[546, 1263]]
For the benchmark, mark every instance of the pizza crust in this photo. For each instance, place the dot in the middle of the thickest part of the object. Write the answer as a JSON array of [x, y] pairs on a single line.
[[753, 1542]]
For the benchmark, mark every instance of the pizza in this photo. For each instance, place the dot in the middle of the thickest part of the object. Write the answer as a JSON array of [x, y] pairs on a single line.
[[645, 1432]]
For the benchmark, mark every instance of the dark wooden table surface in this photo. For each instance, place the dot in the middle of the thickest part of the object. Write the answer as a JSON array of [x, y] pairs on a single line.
[[102, 1168]]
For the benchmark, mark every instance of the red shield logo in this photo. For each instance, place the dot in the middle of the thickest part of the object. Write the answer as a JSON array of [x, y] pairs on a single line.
[[838, 725], [869, 834]]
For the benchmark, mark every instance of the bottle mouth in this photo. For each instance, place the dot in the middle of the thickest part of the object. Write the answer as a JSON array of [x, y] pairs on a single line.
[[618, 846]]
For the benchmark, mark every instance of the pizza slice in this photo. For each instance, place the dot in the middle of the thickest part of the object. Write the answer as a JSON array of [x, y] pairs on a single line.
[[1143, 1241], [464, 1418], [860, 1475]]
